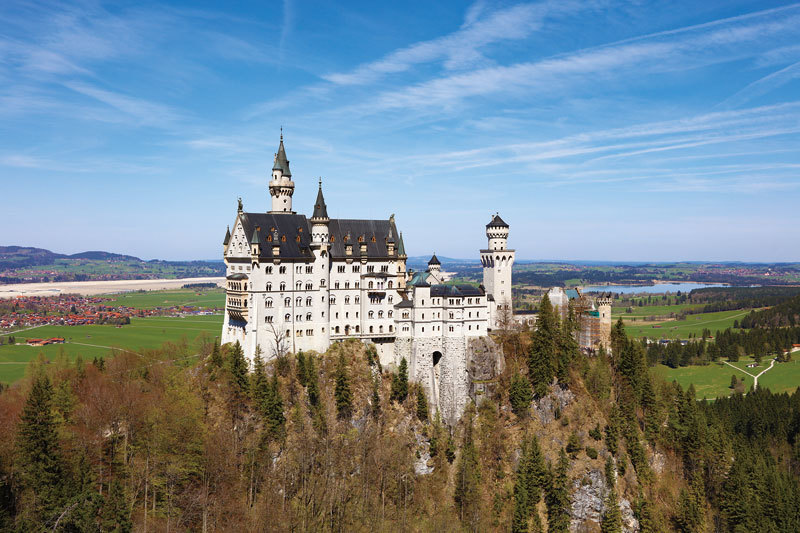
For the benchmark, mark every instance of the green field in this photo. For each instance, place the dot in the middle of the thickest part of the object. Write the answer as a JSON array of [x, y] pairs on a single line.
[[713, 380], [96, 340], [202, 298], [680, 329], [652, 310]]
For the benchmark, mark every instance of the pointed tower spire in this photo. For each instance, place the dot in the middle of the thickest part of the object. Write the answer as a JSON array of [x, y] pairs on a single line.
[[401, 247], [320, 209], [281, 163], [227, 237], [281, 187]]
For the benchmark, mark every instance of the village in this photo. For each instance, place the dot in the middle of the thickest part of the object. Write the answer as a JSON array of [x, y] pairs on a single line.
[[74, 310]]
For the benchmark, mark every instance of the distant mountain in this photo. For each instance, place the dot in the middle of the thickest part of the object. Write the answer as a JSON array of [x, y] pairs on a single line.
[[28, 264]]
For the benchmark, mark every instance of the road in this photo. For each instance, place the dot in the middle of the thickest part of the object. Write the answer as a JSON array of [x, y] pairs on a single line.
[[754, 376]]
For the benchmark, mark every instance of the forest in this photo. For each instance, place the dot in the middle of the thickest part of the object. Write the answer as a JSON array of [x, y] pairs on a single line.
[[171, 440]]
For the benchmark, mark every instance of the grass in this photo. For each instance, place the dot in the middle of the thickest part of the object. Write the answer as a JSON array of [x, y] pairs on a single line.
[[202, 298], [96, 340], [652, 310], [680, 329], [713, 380]]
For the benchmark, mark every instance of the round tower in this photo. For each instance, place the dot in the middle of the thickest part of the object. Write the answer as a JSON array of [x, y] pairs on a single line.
[[497, 233], [281, 187], [497, 261], [434, 265]]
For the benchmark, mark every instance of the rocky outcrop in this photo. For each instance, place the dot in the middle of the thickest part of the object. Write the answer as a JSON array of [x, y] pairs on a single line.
[[557, 399], [588, 505], [485, 362]]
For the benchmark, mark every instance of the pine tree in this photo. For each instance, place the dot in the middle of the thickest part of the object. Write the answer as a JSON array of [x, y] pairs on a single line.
[[39, 462], [258, 380], [312, 381], [611, 476], [274, 420], [238, 368], [376, 398], [302, 371], [519, 521], [520, 395], [116, 516], [468, 478], [216, 356], [400, 382], [422, 405], [612, 518], [541, 359], [557, 497], [344, 398]]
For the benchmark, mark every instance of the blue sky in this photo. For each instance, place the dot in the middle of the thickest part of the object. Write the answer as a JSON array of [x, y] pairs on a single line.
[[599, 130]]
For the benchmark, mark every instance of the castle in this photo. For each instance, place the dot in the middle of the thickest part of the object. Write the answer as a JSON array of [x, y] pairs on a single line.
[[295, 283]]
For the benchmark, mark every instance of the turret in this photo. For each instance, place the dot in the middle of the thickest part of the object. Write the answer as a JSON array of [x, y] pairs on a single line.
[[255, 245], [281, 187], [497, 233], [319, 220], [434, 265], [497, 261]]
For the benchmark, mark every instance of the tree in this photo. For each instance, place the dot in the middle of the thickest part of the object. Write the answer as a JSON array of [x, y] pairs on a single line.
[[543, 349], [216, 356], [272, 409], [734, 381], [557, 496], [400, 382], [302, 372], [258, 380], [573, 445], [39, 461], [468, 478], [312, 382], [344, 398], [422, 405], [612, 518], [376, 398], [520, 395], [238, 369], [116, 515]]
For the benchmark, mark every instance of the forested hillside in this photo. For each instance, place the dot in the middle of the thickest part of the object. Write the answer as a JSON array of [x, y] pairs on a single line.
[[174, 441]]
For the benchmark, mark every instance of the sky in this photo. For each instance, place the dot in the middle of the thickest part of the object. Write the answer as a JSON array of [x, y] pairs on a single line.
[[599, 130]]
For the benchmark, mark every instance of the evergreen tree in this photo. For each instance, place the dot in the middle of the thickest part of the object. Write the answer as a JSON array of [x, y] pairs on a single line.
[[543, 349], [573, 445], [344, 398], [238, 369], [557, 497], [519, 521], [39, 462], [312, 381], [612, 518], [568, 348], [520, 395], [116, 515], [400, 383], [258, 380], [274, 420], [376, 398], [422, 405], [302, 371], [216, 356], [468, 477], [611, 475]]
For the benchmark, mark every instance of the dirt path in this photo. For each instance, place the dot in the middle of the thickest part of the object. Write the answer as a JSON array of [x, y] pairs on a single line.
[[754, 376]]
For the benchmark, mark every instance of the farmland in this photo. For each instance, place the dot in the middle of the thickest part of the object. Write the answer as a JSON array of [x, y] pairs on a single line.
[[97, 340], [204, 299], [692, 324]]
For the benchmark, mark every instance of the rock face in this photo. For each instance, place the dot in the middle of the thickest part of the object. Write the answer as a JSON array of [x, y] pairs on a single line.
[[588, 505], [485, 362], [557, 398]]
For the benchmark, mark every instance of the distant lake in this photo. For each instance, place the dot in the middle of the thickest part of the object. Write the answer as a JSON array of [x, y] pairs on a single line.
[[658, 288]]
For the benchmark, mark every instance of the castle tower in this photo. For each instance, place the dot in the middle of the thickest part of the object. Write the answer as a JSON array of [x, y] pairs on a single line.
[[281, 187], [497, 261], [604, 311], [434, 265], [320, 220]]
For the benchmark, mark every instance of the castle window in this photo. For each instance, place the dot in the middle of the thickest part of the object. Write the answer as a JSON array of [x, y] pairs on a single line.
[[299, 301], [390, 299], [451, 315], [356, 284], [360, 238], [322, 283], [268, 303], [391, 328], [423, 316], [340, 268], [309, 270], [405, 315], [298, 318], [390, 285], [333, 300], [478, 326], [333, 239], [370, 269], [282, 270], [268, 319], [346, 284], [299, 333], [380, 314], [371, 329], [336, 285], [283, 238], [478, 314], [297, 238], [269, 287], [308, 301], [337, 330], [309, 286], [268, 270], [287, 302], [308, 317], [298, 270], [385, 268], [288, 332], [346, 300], [356, 329], [470, 328], [390, 313], [373, 238], [357, 299], [451, 329], [371, 314], [287, 317], [356, 268], [380, 329], [370, 285]]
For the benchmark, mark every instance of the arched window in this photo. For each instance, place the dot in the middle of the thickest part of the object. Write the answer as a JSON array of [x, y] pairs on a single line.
[[269, 287], [298, 301], [346, 300], [298, 285], [309, 286], [333, 299], [370, 285], [390, 313], [370, 329], [308, 301], [380, 329], [391, 328], [337, 330], [356, 329], [287, 302], [268, 303], [371, 314], [308, 316], [283, 286], [322, 283], [380, 314], [389, 285], [287, 317]]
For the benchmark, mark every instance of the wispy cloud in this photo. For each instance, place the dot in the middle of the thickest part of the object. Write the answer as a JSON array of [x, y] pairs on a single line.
[[144, 112], [764, 85]]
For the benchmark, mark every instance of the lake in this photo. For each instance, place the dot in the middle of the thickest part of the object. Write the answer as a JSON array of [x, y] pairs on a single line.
[[658, 288]]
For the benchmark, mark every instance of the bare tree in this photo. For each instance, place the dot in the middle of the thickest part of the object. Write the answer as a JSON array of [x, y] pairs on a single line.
[[280, 344]]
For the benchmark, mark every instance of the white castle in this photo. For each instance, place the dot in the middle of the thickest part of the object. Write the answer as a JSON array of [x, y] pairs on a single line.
[[300, 284]]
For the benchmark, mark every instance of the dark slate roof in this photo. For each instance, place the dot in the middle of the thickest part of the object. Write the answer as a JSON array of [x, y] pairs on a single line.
[[497, 222], [434, 260], [275, 226], [281, 163], [320, 209], [405, 303], [456, 290], [227, 236], [340, 228], [255, 238]]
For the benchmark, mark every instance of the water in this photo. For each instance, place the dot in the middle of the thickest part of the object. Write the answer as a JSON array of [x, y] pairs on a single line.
[[658, 288]]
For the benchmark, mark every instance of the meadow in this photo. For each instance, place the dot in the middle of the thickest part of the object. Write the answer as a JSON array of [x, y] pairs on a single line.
[[681, 329], [98, 340], [651, 310], [201, 298]]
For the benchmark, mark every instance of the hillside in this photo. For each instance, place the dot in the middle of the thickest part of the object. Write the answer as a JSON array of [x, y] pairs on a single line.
[[332, 442], [19, 264]]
